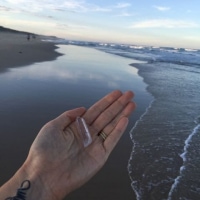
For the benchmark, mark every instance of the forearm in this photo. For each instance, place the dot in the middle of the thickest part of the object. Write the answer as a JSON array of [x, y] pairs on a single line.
[[10, 188], [37, 189]]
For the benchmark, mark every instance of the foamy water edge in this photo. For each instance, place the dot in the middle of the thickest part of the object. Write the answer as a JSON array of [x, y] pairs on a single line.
[[184, 157], [137, 193]]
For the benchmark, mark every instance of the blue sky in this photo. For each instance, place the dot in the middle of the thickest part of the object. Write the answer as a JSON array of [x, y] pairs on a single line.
[[143, 22]]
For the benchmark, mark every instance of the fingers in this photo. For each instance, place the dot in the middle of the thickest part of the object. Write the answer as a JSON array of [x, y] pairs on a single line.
[[94, 111], [67, 117], [115, 135], [130, 107], [120, 107]]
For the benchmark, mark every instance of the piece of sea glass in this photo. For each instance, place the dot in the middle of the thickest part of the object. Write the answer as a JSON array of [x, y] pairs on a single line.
[[83, 131]]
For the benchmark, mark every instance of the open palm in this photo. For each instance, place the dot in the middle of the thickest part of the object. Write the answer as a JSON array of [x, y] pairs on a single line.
[[58, 155]]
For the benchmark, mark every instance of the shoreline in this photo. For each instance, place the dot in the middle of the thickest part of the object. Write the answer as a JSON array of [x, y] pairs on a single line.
[[17, 51]]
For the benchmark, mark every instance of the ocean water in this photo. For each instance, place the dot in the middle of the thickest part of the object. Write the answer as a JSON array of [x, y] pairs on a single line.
[[165, 161]]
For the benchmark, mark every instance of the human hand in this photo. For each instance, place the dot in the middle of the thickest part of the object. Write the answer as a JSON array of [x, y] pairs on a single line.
[[57, 157]]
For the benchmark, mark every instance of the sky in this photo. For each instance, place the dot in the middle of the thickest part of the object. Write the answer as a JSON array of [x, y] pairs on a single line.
[[172, 23]]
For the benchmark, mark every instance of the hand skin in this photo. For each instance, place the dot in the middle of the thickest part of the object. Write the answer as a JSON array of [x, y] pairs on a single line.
[[58, 163]]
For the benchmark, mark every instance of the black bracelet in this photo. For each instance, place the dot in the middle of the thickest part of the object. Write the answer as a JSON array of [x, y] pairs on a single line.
[[21, 192]]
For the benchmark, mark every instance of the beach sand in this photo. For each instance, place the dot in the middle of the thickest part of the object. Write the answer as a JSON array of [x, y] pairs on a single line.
[[16, 50], [112, 182]]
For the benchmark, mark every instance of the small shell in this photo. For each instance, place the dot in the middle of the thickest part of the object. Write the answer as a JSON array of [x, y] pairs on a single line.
[[83, 131]]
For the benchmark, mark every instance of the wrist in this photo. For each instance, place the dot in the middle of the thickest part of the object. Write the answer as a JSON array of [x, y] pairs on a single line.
[[39, 186], [24, 178], [36, 189], [45, 181]]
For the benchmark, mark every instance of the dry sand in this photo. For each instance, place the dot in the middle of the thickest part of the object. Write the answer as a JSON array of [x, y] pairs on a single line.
[[16, 50]]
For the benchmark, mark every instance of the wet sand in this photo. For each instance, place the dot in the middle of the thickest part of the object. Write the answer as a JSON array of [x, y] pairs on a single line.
[[112, 182]]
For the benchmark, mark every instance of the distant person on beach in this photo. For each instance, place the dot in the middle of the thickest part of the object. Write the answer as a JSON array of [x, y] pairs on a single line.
[[59, 161], [28, 36]]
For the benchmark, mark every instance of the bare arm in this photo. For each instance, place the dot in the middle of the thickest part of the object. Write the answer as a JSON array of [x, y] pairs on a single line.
[[58, 163]]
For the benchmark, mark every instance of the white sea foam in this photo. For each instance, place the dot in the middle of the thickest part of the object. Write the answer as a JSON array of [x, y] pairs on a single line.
[[184, 157], [136, 47], [134, 182], [191, 50]]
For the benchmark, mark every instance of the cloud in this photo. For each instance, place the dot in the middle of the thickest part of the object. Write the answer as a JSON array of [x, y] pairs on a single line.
[[48, 5], [59, 9], [76, 26], [121, 10], [164, 23], [27, 6], [113, 84], [39, 72], [125, 14], [123, 5], [16, 1], [4, 8], [77, 6], [81, 6], [74, 5], [100, 9], [162, 8]]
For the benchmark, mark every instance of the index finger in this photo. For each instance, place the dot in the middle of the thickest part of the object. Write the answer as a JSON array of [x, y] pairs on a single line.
[[116, 109]]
